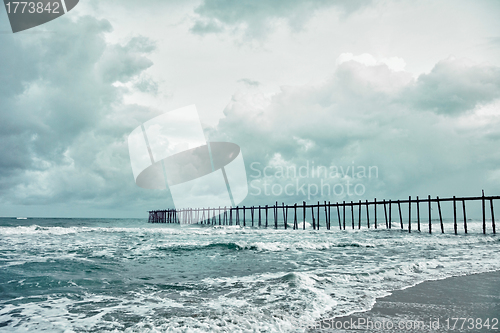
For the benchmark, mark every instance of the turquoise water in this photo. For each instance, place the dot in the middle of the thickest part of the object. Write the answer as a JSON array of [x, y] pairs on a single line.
[[114, 275]]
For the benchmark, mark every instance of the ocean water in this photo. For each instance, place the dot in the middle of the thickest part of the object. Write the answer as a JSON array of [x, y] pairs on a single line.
[[115, 275]]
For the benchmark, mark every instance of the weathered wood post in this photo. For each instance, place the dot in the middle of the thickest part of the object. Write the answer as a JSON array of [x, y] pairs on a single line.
[[219, 211], [440, 216], [492, 217], [327, 216], [418, 213], [312, 217], [455, 215], [375, 212], [276, 216], [338, 213], [465, 217], [484, 214], [359, 217], [252, 211], [285, 215], [343, 213], [385, 212], [409, 214], [266, 215], [400, 215], [244, 213], [367, 215], [390, 214], [352, 214], [318, 216], [430, 208], [304, 215], [295, 222], [260, 220]]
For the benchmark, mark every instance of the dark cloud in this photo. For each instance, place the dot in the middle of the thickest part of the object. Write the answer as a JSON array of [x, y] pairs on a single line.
[[64, 129], [455, 86], [257, 17], [363, 116]]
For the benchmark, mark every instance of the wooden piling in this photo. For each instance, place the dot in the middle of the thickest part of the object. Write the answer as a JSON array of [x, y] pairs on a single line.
[[285, 215], [338, 213], [484, 214], [386, 221], [465, 217], [455, 227], [343, 213], [318, 217], [400, 215], [367, 215], [260, 219], [492, 217], [276, 216], [312, 217], [327, 216], [359, 217], [304, 215], [430, 208], [409, 214], [390, 214], [252, 214], [352, 214], [418, 214], [440, 216], [266, 216], [375, 212], [295, 223]]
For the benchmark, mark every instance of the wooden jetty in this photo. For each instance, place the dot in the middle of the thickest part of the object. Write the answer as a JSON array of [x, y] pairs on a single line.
[[320, 214]]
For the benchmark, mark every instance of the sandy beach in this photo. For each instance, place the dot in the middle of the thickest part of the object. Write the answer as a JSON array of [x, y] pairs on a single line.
[[432, 306]]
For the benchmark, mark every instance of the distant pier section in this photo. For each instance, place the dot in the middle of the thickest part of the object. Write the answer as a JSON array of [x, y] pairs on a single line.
[[347, 214]]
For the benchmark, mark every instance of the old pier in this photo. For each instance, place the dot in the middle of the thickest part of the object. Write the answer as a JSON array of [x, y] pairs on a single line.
[[320, 214]]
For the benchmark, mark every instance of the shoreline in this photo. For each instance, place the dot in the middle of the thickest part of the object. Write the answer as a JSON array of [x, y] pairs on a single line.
[[430, 306]]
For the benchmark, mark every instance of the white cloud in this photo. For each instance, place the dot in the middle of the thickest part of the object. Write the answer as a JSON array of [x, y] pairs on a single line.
[[394, 63]]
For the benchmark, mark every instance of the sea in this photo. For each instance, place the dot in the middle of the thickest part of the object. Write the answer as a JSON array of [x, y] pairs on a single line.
[[128, 275]]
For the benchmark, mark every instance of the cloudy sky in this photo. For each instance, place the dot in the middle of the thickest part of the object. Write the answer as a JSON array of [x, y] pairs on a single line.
[[412, 88]]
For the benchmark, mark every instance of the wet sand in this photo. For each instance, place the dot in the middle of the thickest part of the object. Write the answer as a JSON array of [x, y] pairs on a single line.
[[418, 308]]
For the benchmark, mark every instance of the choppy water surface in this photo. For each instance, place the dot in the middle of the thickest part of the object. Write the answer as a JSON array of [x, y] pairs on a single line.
[[83, 275]]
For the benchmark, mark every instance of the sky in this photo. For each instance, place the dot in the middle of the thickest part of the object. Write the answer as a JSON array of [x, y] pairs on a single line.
[[408, 88]]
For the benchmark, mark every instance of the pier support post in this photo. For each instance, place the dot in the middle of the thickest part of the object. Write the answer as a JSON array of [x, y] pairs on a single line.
[[465, 217], [492, 217], [385, 212], [430, 208], [367, 215], [400, 215], [338, 213], [304, 215], [359, 217], [440, 216], [484, 214], [455, 227], [343, 213], [409, 214]]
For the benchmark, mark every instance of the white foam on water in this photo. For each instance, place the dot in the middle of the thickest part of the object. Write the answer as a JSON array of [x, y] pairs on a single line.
[[329, 274]]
